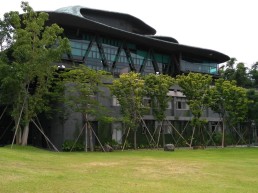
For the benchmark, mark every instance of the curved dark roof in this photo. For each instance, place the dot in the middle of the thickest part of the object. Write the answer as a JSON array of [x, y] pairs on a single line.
[[104, 17], [72, 17], [165, 38]]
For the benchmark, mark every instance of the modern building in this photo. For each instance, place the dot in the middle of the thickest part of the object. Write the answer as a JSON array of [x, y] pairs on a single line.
[[119, 43]]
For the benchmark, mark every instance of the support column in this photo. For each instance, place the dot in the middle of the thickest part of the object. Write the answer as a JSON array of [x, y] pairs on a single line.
[[102, 53], [129, 58]]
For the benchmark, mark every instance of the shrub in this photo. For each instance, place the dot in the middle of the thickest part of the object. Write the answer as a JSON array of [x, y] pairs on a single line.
[[69, 144]]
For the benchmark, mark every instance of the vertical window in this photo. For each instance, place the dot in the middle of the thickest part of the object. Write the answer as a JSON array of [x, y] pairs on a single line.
[[169, 105], [115, 102], [181, 104]]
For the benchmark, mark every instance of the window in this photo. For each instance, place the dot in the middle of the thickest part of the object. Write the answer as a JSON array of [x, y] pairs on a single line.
[[199, 66], [169, 105], [181, 104], [115, 102], [146, 102]]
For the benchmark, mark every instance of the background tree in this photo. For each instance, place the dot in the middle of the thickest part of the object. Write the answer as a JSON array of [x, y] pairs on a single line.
[[252, 113], [129, 90], [82, 87], [229, 73], [230, 102], [254, 75], [33, 48], [237, 72], [230, 64], [241, 76], [196, 88], [157, 88]]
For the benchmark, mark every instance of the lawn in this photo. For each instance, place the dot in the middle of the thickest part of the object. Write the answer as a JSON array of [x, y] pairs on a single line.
[[211, 170]]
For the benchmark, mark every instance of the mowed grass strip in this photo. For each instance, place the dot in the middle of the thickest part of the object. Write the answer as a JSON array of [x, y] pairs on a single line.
[[27, 169]]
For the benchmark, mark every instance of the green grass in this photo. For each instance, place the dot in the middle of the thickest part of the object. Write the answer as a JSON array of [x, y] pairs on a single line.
[[212, 170]]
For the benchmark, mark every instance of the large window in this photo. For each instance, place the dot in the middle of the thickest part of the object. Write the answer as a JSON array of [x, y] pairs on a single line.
[[203, 67], [110, 48]]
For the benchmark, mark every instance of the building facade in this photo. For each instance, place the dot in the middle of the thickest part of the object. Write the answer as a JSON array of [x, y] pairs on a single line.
[[120, 43]]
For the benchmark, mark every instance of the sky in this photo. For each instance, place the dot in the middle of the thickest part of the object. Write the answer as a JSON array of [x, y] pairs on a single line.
[[227, 26]]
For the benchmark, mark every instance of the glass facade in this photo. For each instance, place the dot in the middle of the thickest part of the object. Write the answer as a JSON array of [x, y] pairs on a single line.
[[202, 67], [116, 56], [89, 51]]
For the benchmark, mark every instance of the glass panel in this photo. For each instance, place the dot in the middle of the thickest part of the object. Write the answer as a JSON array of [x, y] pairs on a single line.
[[76, 52], [141, 53], [158, 57], [209, 68], [110, 47]]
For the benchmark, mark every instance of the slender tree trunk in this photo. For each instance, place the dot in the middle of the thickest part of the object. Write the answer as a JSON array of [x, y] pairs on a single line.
[[18, 136], [17, 124], [97, 139], [18, 131], [42, 132], [135, 138], [126, 138], [91, 139], [159, 134], [223, 134], [163, 134], [25, 134], [192, 136], [86, 137]]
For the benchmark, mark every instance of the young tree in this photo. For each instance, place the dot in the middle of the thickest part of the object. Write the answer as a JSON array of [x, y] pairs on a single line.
[[33, 48], [157, 88], [196, 88], [230, 102], [82, 86], [129, 90]]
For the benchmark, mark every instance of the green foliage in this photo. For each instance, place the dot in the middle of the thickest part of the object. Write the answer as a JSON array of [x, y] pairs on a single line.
[[33, 47], [254, 75], [238, 74], [196, 88], [252, 96], [82, 88], [229, 140], [129, 90], [104, 131], [229, 100], [113, 143], [157, 88], [69, 145], [241, 76]]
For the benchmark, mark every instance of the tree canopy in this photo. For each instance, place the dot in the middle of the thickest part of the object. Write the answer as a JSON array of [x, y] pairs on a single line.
[[230, 102], [196, 88], [157, 88], [129, 91], [28, 62]]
